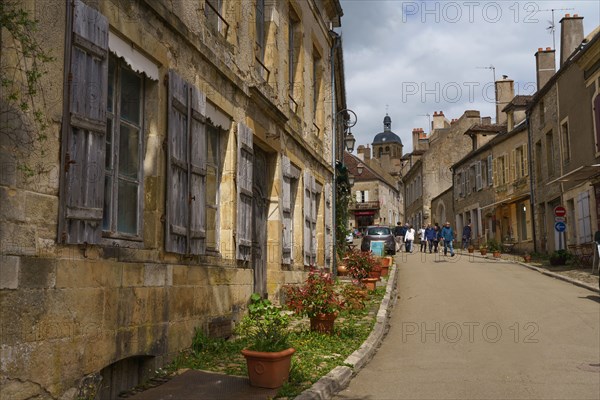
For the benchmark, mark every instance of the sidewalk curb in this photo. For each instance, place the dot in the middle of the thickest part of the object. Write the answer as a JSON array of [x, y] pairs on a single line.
[[559, 276], [339, 377]]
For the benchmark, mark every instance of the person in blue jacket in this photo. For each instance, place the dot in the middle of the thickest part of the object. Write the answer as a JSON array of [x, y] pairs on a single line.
[[430, 236], [448, 238]]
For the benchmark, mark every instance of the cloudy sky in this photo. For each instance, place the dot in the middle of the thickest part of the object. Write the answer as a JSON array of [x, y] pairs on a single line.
[[417, 57]]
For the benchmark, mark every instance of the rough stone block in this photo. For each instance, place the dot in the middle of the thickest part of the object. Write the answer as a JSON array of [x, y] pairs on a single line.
[[155, 275], [133, 275], [87, 273], [13, 204], [37, 272], [9, 272], [39, 207], [17, 239], [18, 390]]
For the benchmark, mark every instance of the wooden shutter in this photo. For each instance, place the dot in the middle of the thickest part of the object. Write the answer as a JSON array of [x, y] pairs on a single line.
[[197, 171], [495, 172], [583, 218], [307, 218], [478, 179], [525, 161], [316, 190], [358, 196], [185, 223], [286, 208], [512, 166], [491, 171], [244, 192], [83, 160], [328, 223]]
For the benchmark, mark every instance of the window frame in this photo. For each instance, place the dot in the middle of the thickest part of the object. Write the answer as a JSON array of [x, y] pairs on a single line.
[[210, 130], [565, 137], [115, 117]]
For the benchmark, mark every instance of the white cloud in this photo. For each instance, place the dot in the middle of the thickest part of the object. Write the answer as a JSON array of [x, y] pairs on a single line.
[[440, 47]]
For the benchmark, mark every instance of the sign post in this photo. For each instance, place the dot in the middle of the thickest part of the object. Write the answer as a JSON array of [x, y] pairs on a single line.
[[560, 226]]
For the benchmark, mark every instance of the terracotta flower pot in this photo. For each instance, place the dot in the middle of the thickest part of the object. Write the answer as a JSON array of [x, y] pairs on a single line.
[[527, 258], [497, 254], [386, 261], [268, 370], [385, 270], [342, 270], [370, 283], [471, 249], [375, 274], [483, 251], [323, 323]]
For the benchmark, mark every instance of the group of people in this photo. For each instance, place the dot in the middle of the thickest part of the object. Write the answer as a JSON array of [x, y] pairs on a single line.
[[430, 238]]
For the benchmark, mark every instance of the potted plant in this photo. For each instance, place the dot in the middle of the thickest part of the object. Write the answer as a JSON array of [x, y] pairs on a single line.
[[527, 257], [559, 257], [359, 264], [269, 353], [495, 247], [483, 249], [316, 299], [376, 268], [471, 249]]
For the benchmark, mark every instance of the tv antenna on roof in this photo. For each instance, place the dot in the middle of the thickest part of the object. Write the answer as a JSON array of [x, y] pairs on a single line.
[[428, 119], [493, 71], [552, 27]]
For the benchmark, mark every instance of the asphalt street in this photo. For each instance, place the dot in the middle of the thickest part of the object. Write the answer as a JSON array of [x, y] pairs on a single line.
[[471, 328]]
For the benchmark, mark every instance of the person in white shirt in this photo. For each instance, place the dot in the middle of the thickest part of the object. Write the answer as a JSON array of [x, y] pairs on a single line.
[[422, 239], [409, 238]]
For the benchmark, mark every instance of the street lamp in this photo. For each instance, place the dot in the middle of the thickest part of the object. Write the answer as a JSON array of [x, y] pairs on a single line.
[[351, 179]]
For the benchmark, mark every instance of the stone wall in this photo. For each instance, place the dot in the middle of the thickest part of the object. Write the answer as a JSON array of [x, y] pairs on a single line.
[[70, 311]]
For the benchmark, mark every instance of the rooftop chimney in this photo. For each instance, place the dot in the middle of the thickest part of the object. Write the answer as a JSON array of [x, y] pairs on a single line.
[[545, 66], [486, 120], [571, 36], [439, 120], [416, 133], [505, 91], [364, 152]]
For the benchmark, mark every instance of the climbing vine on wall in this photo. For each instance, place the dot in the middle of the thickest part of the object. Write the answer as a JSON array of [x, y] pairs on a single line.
[[23, 63]]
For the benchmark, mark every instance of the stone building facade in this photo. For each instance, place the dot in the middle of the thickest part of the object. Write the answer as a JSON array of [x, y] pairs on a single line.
[[564, 146], [376, 199], [187, 163]]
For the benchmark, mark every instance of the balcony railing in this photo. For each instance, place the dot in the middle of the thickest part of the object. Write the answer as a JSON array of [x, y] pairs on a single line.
[[367, 205]]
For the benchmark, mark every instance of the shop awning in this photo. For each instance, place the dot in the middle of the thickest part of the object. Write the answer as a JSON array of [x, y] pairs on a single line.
[[363, 213], [136, 60], [580, 174], [508, 200]]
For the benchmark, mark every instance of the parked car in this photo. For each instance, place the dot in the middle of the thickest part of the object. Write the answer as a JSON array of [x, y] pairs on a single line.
[[379, 234]]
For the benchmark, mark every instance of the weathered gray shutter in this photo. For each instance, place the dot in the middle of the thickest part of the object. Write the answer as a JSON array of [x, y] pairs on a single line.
[[286, 210], [84, 157], [186, 168], [328, 224], [316, 191], [197, 171], [244, 192], [307, 218]]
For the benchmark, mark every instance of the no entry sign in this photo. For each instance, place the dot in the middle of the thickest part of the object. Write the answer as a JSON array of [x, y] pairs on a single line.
[[560, 211]]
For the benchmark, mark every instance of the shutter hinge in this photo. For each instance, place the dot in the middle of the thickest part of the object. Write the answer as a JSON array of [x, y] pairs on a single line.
[[190, 198], [68, 162]]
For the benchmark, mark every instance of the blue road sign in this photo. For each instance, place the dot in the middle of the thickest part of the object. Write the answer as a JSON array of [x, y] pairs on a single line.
[[560, 226]]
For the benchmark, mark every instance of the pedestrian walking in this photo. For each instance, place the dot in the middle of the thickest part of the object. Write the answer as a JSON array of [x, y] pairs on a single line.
[[466, 236], [422, 240], [409, 239], [438, 236], [448, 238], [399, 231], [430, 236]]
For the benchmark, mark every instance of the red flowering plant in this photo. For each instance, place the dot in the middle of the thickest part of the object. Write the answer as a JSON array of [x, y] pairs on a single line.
[[360, 264], [316, 296]]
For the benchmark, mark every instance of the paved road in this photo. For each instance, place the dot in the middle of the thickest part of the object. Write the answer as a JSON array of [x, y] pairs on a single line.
[[483, 329]]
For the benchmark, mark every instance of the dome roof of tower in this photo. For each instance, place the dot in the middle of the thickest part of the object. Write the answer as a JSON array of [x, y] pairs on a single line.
[[387, 137]]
